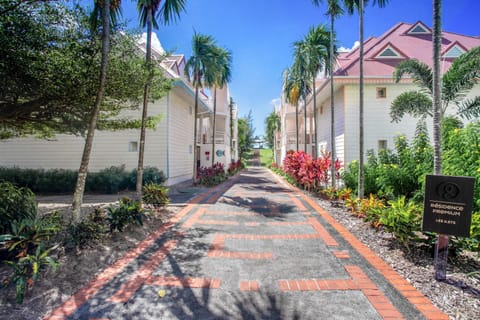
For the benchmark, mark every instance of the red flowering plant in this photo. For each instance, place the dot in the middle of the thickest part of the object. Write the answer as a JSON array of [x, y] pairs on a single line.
[[211, 176]]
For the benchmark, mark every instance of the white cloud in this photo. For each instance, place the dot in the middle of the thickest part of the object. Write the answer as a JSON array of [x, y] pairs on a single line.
[[355, 45], [155, 42]]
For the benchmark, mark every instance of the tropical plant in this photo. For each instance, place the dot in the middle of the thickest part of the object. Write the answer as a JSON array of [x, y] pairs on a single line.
[[359, 6], [301, 74], [217, 77], [16, 204], [333, 10], [403, 219], [27, 269], [212, 176], [149, 11], [129, 211], [291, 90], [87, 232], [245, 134], [273, 124], [197, 66], [155, 195]]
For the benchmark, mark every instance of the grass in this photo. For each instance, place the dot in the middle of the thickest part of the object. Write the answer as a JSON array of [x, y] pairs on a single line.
[[266, 157]]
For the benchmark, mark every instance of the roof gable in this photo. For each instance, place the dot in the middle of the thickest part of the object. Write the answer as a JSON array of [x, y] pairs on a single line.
[[389, 51], [418, 28], [455, 50]]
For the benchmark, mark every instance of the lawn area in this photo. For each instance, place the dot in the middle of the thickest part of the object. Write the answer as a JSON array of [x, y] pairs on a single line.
[[266, 157]]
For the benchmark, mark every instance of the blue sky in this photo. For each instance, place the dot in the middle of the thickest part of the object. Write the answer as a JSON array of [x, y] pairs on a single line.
[[260, 34]]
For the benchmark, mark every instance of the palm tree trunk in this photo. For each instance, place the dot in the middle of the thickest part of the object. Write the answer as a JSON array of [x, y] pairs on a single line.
[[332, 103], [305, 124], [214, 123], [315, 117], [194, 178], [361, 128], [441, 247], [141, 149], [296, 123], [82, 171]]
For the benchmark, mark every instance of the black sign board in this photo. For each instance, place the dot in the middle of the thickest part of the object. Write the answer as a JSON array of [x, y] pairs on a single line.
[[448, 205]]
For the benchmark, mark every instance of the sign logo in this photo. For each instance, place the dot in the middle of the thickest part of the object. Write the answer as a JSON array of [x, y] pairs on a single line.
[[448, 205]]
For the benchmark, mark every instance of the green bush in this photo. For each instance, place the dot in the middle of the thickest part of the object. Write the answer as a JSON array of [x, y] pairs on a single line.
[[155, 195], [16, 205], [403, 219], [128, 212], [84, 234], [109, 180]]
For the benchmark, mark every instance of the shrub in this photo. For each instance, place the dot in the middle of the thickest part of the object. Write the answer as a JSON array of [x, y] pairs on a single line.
[[211, 176], [88, 231], [403, 219], [16, 205], [129, 211], [155, 195], [308, 172], [234, 167], [109, 180]]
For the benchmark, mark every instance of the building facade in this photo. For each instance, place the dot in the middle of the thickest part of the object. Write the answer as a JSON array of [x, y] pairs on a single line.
[[381, 55], [169, 147]]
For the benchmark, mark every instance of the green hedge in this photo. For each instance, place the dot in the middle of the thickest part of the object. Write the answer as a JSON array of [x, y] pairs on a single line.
[[109, 180]]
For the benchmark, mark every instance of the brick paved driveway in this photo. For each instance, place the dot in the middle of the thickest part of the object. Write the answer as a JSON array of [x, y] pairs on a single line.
[[252, 248]]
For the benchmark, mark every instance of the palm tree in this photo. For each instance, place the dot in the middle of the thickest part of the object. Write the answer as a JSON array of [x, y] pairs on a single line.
[[351, 6], [334, 10], [302, 76], [195, 69], [148, 9], [291, 89], [273, 123], [108, 15], [461, 77], [218, 76]]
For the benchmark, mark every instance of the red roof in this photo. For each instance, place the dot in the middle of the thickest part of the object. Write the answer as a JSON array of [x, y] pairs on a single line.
[[406, 44]]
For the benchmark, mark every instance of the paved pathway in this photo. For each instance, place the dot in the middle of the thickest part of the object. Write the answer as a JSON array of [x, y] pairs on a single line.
[[252, 248]]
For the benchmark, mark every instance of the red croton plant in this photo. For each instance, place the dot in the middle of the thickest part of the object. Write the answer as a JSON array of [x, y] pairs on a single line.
[[307, 171]]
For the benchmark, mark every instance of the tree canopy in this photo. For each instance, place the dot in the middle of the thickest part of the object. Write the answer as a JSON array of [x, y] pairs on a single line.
[[49, 66]]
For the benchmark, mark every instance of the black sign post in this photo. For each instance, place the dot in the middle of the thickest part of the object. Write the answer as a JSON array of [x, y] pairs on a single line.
[[447, 211]]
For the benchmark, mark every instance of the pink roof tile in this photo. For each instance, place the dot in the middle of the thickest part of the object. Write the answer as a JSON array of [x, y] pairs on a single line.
[[412, 46]]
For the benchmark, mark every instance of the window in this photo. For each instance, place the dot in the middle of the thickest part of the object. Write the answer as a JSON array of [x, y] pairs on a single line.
[[190, 110], [382, 145], [133, 146], [321, 109], [190, 149], [381, 92], [389, 51], [454, 52], [419, 28]]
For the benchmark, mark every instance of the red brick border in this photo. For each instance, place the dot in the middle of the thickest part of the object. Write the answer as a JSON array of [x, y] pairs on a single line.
[[183, 282], [90, 289], [249, 285], [416, 298]]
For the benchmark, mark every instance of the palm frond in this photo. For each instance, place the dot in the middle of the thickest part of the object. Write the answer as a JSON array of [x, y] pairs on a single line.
[[469, 108], [461, 76], [414, 103], [420, 72], [171, 10]]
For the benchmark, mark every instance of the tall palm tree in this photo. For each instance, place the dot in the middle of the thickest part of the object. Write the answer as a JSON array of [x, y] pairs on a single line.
[[291, 89], [108, 15], [351, 6], [273, 123], [148, 12], [302, 76], [217, 77], [333, 11], [195, 69]]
